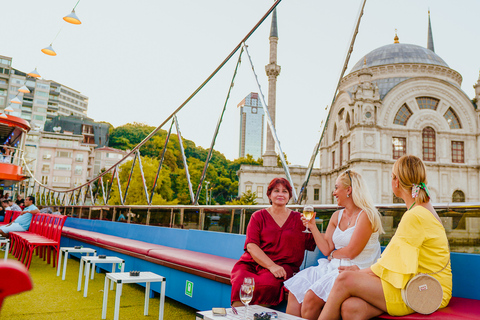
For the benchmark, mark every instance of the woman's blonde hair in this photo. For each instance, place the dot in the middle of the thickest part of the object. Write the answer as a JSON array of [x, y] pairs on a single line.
[[362, 198], [411, 170]]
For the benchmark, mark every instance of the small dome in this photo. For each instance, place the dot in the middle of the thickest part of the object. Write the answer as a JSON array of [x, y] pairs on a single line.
[[399, 53]]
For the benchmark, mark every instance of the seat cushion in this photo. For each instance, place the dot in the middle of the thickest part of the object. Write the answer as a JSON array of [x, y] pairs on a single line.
[[457, 309]]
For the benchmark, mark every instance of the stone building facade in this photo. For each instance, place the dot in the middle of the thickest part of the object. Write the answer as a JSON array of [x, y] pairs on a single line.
[[404, 99]]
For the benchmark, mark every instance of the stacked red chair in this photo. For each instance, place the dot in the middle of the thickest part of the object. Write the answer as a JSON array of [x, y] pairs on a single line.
[[44, 235], [10, 216], [14, 278]]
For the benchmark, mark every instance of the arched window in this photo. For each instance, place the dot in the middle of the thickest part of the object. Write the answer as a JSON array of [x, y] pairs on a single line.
[[335, 132], [402, 116], [458, 196], [427, 103], [347, 121], [452, 119], [429, 140]]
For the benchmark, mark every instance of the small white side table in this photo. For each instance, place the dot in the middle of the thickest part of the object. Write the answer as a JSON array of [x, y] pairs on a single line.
[[7, 247], [88, 261], [65, 251], [124, 277]]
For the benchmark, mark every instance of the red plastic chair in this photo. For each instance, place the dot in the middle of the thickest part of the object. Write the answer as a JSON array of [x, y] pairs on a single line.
[[14, 278], [9, 214]]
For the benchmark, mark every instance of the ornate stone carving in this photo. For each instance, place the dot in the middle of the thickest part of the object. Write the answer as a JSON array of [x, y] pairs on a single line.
[[369, 139]]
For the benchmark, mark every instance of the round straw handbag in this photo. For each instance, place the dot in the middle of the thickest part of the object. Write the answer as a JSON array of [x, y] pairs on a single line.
[[423, 293]]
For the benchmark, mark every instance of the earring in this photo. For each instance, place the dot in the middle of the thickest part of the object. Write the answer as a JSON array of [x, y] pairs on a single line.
[[348, 196]]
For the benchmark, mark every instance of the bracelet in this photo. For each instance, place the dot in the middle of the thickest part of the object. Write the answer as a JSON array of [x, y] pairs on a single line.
[[331, 254]]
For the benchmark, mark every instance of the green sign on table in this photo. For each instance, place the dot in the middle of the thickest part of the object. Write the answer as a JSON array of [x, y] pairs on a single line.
[[189, 288]]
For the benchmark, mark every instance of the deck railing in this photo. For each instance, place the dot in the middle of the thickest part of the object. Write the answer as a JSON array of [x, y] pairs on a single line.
[[461, 220]]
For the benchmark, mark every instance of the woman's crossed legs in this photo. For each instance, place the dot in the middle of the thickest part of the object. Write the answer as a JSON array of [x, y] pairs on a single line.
[[355, 296]]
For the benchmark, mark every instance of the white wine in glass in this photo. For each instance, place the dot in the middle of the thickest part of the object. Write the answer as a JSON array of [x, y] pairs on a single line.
[[249, 281], [308, 214], [246, 295]]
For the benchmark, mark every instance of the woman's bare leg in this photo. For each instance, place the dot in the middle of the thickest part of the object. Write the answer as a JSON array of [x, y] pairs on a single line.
[[367, 287], [312, 306], [293, 306], [357, 309]]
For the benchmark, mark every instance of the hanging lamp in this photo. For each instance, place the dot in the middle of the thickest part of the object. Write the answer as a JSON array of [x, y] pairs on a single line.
[[4, 116], [23, 89], [16, 100], [34, 74], [8, 109], [49, 50], [72, 18]]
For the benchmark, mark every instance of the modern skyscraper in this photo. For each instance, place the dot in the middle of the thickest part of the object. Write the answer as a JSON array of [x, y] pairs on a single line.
[[251, 126]]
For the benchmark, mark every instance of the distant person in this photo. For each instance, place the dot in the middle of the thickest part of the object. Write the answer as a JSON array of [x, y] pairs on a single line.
[[46, 210], [7, 154], [7, 196], [274, 248], [3, 208], [20, 201], [22, 223], [13, 206], [58, 211], [121, 218]]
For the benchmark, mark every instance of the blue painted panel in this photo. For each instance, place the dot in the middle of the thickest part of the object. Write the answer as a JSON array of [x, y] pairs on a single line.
[[466, 280], [217, 243]]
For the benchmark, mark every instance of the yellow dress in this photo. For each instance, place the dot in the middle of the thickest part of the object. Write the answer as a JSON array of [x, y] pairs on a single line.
[[419, 245]]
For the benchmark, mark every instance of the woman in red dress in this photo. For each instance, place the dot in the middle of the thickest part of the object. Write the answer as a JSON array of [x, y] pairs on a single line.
[[274, 248]]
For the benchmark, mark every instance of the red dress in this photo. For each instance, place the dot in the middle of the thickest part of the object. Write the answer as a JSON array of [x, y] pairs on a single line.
[[285, 246]]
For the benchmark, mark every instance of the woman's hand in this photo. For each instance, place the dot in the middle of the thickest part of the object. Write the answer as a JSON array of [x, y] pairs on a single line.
[[278, 271], [349, 268]]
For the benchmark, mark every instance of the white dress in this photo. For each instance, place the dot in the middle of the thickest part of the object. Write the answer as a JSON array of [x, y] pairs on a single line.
[[320, 279]]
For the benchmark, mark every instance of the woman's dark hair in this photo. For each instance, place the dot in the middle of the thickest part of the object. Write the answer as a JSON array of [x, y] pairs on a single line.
[[284, 182]]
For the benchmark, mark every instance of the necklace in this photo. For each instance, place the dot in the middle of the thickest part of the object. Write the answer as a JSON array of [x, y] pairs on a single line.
[[349, 221], [412, 205]]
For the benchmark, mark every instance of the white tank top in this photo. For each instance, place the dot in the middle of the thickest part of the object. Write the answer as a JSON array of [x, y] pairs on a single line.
[[370, 253]]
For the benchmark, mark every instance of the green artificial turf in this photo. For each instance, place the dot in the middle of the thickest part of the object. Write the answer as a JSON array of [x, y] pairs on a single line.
[[52, 298]]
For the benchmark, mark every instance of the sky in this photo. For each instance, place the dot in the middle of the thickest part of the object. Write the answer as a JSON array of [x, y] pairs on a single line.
[[140, 60]]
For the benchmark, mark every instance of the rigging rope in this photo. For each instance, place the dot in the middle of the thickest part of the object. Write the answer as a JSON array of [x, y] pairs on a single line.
[[342, 73]]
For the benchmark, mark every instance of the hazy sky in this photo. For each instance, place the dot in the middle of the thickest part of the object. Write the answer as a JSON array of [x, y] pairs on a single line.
[[139, 60]]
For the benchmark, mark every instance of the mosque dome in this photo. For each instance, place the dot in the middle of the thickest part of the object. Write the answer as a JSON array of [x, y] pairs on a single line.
[[399, 53]]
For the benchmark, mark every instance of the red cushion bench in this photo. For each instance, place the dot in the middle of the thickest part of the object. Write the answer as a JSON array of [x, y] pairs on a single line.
[[457, 309], [202, 264]]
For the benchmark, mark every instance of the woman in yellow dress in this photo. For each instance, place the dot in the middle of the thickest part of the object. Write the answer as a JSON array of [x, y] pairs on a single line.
[[420, 244]]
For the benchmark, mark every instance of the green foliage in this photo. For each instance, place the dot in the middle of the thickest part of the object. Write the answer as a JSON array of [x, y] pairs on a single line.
[[172, 185], [247, 198]]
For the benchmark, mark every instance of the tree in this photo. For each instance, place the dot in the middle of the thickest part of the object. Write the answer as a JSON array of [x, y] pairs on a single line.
[[247, 198]]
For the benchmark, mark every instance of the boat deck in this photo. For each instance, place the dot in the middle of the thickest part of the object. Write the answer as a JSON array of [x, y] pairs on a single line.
[[52, 298]]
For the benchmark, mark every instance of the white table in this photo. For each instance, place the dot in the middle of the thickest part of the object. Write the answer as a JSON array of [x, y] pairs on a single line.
[[7, 247], [124, 277], [65, 251], [88, 261], [207, 315]]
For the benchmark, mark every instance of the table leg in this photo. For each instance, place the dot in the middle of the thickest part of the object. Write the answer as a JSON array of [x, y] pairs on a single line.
[[162, 300], [59, 262], [87, 271], [147, 298], [65, 258], [117, 301], [7, 248], [93, 265], [105, 299], [80, 275], [113, 271]]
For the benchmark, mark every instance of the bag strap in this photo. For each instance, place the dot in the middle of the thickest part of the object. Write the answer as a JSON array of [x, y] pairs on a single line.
[[449, 252]]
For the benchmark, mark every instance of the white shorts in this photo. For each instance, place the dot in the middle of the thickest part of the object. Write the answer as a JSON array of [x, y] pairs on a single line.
[[14, 227]]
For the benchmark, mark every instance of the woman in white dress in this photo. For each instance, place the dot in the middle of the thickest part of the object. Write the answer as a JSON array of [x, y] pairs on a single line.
[[352, 233]]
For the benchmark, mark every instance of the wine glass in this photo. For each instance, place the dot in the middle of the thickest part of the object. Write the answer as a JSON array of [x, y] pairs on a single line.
[[249, 281], [246, 295], [345, 262], [308, 214]]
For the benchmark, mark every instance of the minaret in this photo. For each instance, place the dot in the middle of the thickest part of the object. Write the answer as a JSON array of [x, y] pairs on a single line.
[[272, 70], [430, 35]]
